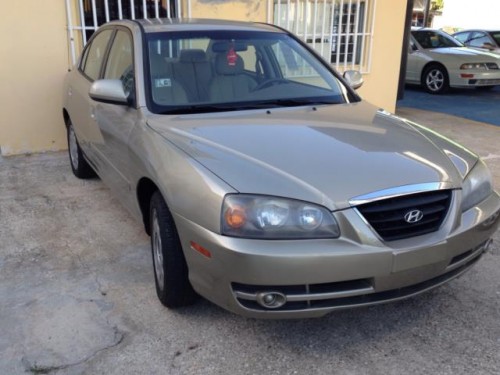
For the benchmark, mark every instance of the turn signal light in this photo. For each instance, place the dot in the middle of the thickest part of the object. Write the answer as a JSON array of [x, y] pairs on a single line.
[[201, 249], [235, 217]]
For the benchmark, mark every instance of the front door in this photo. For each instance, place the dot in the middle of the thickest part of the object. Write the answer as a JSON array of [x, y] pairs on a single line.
[[115, 122]]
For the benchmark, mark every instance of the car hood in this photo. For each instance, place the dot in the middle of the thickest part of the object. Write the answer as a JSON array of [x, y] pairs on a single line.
[[326, 154], [465, 54]]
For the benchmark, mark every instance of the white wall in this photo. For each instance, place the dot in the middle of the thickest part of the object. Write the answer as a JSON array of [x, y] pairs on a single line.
[[468, 14]]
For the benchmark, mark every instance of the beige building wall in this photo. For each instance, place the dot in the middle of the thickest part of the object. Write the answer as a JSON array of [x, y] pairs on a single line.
[[34, 51], [238, 10], [381, 83]]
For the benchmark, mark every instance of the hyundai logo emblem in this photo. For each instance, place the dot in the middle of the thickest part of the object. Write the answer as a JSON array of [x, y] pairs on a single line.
[[414, 216]]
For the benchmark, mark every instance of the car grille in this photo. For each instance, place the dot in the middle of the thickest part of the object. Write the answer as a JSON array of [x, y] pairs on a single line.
[[387, 216]]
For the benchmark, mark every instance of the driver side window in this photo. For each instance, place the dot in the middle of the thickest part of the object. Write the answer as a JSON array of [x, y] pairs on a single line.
[[478, 39], [94, 55], [120, 64]]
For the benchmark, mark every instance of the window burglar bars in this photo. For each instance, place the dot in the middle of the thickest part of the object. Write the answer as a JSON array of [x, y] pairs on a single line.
[[339, 30], [85, 16]]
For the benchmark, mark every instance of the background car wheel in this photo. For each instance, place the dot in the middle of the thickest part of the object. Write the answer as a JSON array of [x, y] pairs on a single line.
[[79, 165], [435, 79], [171, 272]]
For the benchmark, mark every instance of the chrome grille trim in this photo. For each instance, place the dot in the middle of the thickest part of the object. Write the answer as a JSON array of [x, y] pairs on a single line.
[[387, 217], [398, 192]]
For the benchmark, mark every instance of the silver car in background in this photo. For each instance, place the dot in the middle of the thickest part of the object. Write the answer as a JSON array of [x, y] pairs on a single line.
[[438, 61], [265, 182], [486, 40]]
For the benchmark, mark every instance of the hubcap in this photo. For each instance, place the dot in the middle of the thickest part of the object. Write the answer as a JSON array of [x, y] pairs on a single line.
[[157, 252], [435, 80], [73, 148]]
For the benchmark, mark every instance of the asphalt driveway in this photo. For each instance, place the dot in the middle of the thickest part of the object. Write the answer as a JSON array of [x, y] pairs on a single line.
[[77, 296], [477, 105]]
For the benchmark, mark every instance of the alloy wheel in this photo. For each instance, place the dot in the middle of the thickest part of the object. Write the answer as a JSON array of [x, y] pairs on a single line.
[[157, 252]]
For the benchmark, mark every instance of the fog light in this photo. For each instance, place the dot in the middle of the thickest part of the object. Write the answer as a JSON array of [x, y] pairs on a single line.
[[271, 300], [489, 222]]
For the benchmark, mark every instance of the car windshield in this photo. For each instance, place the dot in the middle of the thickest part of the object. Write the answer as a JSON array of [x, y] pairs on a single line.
[[496, 35], [434, 39], [208, 71]]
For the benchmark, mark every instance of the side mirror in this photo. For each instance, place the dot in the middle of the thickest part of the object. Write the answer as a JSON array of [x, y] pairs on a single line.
[[353, 78], [108, 91]]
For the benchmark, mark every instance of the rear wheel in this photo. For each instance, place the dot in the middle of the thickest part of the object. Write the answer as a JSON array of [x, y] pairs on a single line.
[[171, 272], [79, 165], [435, 79]]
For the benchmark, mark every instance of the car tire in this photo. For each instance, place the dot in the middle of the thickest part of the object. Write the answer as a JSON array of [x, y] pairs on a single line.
[[79, 165], [435, 79], [169, 264]]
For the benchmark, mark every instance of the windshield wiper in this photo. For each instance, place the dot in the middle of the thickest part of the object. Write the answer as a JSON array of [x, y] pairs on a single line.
[[299, 102], [275, 103], [192, 109]]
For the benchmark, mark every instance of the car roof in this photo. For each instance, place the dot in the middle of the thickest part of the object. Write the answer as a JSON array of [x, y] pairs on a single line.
[[416, 28], [153, 25], [483, 30]]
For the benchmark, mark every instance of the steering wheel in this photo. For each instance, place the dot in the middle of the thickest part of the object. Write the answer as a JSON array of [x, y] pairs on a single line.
[[270, 82]]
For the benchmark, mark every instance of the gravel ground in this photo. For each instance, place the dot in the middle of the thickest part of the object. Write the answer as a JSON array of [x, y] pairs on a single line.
[[77, 296]]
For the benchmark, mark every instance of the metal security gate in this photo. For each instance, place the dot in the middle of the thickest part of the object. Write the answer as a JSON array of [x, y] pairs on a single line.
[[340, 30], [85, 16]]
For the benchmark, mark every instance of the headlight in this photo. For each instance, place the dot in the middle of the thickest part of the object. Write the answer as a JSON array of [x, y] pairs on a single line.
[[479, 66], [264, 217], [477, 186]]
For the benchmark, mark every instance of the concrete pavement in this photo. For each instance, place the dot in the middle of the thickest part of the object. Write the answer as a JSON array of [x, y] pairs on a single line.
[[77, 295]]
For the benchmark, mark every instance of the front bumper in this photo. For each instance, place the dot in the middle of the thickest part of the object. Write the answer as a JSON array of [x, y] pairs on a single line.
[[474, 78], [319, 276]]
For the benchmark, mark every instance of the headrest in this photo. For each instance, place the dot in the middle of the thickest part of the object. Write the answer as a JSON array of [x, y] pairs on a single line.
[[224, 46], [192, 55], [225, 66]]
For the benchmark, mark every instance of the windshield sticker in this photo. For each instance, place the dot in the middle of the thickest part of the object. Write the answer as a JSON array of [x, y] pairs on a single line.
[[231, 57], [163, 82]]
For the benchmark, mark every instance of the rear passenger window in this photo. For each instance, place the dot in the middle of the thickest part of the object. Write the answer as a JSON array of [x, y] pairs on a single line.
[[95, 54]]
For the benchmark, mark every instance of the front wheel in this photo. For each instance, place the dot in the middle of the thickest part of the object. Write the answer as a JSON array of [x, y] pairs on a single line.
[[171, 272], [435, 80], [79, 165]]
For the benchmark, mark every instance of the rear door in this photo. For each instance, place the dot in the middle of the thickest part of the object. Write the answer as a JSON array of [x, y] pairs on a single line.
[[79, 102]]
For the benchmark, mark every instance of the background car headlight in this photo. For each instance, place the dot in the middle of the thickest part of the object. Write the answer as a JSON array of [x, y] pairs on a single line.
[[477, 186], [475, 66], [264, 217]]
